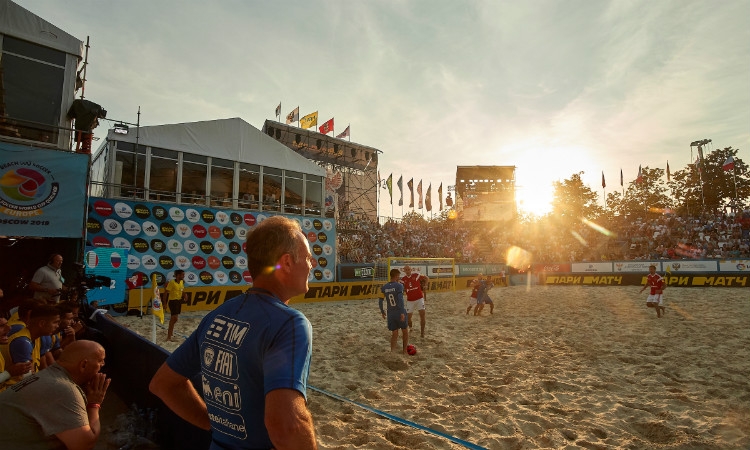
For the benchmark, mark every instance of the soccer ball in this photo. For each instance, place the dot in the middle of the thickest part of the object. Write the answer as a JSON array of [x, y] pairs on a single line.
[[410, 349]]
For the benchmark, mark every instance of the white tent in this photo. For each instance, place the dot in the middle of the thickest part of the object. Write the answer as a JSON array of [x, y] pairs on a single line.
[[232, 139], [23, 24]]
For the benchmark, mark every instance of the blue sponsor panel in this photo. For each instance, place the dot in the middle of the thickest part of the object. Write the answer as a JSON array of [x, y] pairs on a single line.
[[207, 243], [106, 263], [39, 189]]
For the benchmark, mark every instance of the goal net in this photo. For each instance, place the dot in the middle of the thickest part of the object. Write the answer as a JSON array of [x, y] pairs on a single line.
[[440, 271]]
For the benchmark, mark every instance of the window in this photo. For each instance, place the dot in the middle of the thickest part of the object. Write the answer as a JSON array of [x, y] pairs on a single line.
[[222, 182], [163, 174], [313, 195], [130, 170], [33, 78], [271, 188], [293, 186], [249, 185], [194, 174]]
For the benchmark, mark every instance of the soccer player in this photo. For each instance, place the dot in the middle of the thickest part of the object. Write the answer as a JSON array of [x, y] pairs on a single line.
[[394, 296], [474, 293], [656, 296], [414, 295], [175, 297]]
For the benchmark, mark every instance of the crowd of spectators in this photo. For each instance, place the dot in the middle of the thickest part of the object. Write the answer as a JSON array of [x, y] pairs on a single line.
[[664, 236]]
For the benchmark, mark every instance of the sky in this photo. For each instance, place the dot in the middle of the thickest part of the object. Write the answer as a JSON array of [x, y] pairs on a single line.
[[551, 87]]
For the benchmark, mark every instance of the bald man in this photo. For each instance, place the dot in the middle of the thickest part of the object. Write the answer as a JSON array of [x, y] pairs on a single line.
[[57, 407]]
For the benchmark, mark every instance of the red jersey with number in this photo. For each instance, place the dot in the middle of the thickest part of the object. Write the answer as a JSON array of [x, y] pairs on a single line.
[[412, 288], [656, 282]]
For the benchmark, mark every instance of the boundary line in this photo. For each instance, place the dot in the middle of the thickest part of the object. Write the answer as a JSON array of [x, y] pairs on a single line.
[[454, 439]]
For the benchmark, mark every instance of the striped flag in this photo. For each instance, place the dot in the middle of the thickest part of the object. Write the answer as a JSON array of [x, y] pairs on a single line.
[[728, 164], [344, 134], [428, 198], [400, 185]]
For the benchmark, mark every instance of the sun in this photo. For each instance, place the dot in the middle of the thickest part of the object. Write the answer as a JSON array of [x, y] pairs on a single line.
[[535, 200]]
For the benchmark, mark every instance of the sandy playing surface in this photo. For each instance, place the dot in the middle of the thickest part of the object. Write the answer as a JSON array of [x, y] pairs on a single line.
[[553, 367]]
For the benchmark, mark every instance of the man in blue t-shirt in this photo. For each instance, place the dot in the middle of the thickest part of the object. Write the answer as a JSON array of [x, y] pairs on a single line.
[[393, 293], [252, 353]]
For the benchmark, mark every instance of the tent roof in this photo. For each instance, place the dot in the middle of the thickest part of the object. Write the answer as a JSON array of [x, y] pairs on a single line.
[[232, 139], [23, 24]]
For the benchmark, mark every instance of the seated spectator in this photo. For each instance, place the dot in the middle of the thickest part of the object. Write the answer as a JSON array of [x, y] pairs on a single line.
[[24, 344], [10, 370], [57, 407]]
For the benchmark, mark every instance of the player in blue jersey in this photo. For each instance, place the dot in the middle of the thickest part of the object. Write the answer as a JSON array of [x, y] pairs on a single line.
[[252, 353], [393, 292]]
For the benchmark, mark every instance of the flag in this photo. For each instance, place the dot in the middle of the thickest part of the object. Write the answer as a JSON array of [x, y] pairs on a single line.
[[310, 120], [410, 183], [669, 175], [621, 179], [156, 306], [293, 116], [728, 164], [604, 183], [419, 191], [428, 198], [327, 127], [278, 110], [640, 175], [389, 183], [134, 281], [440, 196], [344, 134], [400, 185]]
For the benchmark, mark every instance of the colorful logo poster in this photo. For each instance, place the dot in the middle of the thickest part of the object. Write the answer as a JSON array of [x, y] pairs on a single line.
[[42, 192], [207, 243]]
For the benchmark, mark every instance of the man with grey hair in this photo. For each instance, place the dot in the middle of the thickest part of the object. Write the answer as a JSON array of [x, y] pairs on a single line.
[[252, 353]]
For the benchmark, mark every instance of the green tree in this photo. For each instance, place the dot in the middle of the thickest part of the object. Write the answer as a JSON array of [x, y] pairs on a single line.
[[646, 197], [707, 187], [574, 201]]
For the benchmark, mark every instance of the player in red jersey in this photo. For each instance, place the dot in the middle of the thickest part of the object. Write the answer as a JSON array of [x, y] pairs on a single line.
[[656, 296], [414, 295]]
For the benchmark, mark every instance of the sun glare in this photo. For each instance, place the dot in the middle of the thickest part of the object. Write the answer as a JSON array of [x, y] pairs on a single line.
[[534, 200]]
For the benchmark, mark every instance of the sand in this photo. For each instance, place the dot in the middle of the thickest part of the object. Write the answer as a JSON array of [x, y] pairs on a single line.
[[553, 367]]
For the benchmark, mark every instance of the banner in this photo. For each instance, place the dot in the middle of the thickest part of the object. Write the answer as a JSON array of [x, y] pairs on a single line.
[[428, 199], [41, 192], [389, 183], [419, 191], [410, 184], [440, 196], [634, 266], [309, 121], [105, 270], [592, 267], [686, 265], [400, 185], [740, 265]]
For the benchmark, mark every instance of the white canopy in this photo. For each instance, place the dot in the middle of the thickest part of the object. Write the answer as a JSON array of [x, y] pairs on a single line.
[[18, 22], [232, 139]]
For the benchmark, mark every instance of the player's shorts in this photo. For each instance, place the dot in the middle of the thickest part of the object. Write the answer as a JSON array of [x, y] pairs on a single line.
[[472, 301], [395, 322], [414, 305], [655, 299], [175, 307]]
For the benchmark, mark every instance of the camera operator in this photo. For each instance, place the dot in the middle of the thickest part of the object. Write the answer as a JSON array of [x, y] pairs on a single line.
[[47, 282]]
